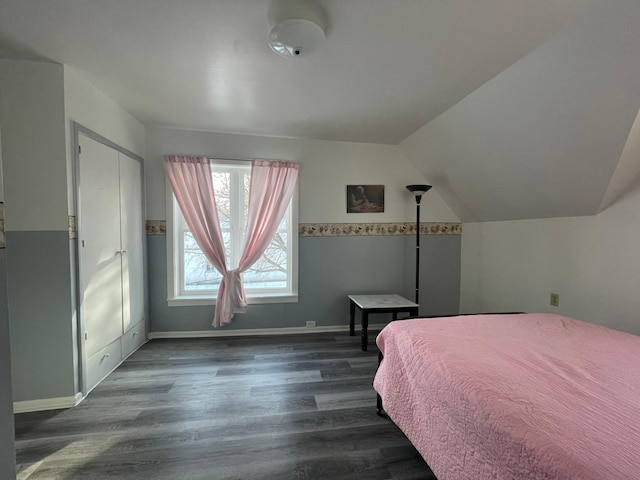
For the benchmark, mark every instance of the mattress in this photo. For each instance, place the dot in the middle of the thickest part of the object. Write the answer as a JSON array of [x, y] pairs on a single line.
[[528, 396]]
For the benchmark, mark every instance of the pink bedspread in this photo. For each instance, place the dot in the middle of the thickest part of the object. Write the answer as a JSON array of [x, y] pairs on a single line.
[[531, 396]]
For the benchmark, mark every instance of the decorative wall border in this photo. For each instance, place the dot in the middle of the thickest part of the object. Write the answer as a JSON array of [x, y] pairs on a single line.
[[2, 240], [365, 229], [73, 227], [73, 230], [159, 227], [156, 227]]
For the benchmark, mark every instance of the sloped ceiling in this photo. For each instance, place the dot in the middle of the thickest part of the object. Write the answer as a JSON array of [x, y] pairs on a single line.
[[512, 109], [544, 138], [11, 50]]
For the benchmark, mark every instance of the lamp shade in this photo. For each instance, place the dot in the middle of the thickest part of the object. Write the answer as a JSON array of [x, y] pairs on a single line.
[[418, 190], [295, 37]]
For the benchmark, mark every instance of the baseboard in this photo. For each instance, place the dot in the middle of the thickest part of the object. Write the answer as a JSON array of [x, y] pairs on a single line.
[[56, 403], [259, 331]]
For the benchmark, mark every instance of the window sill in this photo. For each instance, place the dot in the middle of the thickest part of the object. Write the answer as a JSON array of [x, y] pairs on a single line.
[[193, 301]]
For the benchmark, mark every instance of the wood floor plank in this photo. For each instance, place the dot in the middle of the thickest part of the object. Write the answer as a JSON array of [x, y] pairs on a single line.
[[282, 366], [289, 407]]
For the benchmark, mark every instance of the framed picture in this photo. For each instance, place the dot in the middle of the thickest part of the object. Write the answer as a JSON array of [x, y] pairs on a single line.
[[365, 198]]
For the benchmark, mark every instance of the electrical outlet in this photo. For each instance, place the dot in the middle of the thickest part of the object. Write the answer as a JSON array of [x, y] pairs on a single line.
[[311, 324], [554, 299]]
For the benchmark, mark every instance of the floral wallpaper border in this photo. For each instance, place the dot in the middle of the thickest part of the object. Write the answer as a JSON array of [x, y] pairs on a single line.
[[2, 241], [156, 227], [73, 227], [159, 227], [73, 231], [363, 229]]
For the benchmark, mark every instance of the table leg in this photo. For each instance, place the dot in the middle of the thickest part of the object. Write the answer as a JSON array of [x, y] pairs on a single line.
[[352, 314], [394, 316], [364, 338]]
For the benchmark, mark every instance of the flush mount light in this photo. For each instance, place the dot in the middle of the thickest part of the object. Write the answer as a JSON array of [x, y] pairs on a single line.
[[299, 27], [295, 37]]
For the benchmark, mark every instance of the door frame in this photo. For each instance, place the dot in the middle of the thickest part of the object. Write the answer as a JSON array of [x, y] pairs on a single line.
[[77, 130]]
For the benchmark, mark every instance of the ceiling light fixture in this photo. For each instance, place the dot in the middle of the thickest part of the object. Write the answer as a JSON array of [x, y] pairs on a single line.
[[299, 28]]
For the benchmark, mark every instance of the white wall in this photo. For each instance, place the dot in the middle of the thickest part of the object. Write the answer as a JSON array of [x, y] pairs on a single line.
[[92, 109], [326, 168], [592, 262], [32, 114]]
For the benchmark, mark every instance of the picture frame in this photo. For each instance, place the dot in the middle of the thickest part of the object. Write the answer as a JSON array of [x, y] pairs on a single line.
[[365, 198]]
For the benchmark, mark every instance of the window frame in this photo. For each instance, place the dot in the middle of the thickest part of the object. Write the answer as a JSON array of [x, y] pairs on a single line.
[[175, 274]]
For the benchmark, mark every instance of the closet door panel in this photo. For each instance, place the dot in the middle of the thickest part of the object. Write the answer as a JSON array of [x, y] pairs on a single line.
[[132, 235], [99, 243]]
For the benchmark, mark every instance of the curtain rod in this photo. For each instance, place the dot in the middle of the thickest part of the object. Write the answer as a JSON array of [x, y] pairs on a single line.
[[231, 159], [212, 157]]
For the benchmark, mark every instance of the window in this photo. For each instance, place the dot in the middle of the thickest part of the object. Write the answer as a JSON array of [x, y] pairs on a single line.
[[192, 280]]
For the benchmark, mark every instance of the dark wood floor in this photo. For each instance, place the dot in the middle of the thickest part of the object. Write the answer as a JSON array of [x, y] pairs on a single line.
[[278, 407]]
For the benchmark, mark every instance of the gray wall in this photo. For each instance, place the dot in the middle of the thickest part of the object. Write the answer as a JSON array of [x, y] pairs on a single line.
[[41, 320], [7, 455], [330, 268]]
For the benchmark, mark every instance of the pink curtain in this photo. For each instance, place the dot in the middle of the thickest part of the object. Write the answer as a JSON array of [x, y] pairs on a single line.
[[191, 181], [272, 186]]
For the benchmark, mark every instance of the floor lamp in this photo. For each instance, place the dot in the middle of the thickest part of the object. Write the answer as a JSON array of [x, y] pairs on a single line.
[[418, 191]]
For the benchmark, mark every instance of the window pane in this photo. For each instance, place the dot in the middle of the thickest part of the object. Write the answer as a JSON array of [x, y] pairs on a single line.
[[271, 270], [222, 189], [246, 187], [199, 274]]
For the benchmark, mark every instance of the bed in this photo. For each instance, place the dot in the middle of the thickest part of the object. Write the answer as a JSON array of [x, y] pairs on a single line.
[[529, 396]]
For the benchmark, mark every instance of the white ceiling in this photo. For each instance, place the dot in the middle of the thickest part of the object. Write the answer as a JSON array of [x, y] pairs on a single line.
[[386, 69], [500, 103]]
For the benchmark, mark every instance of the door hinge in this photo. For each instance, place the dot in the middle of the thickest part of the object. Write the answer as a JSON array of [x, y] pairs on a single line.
[[86, 335], [79, 149]]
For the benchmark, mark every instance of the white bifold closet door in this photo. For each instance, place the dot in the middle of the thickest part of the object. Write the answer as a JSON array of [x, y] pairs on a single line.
[[110, 237], [131, 241]]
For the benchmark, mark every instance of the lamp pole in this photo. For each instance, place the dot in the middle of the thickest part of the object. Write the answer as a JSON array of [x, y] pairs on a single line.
[[418, 191], [418, 198]]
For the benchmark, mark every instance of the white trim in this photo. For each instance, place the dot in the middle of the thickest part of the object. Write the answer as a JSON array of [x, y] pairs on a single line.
[[171, 239], [62, 402], [257, 300], [56, 403], [259, 331]]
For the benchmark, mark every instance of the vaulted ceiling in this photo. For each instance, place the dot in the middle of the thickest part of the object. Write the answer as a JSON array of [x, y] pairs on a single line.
[[511, 108], [549, 136]]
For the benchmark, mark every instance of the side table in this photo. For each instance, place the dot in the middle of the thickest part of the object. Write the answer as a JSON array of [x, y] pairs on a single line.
[[367, 304]]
